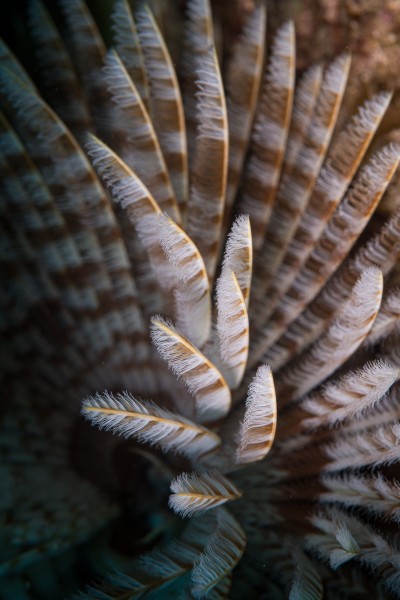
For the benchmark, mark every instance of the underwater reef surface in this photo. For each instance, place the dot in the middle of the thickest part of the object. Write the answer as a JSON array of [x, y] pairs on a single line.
[[200, 301]]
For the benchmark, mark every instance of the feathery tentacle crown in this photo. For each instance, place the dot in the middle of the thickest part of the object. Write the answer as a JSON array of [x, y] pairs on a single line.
[[131, 205]]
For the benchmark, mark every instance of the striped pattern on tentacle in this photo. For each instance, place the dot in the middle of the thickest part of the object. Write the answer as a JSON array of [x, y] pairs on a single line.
[[165, 106], [268, 139]]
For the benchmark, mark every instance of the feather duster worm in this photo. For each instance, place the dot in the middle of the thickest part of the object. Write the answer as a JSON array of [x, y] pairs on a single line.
[[132, 202]]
